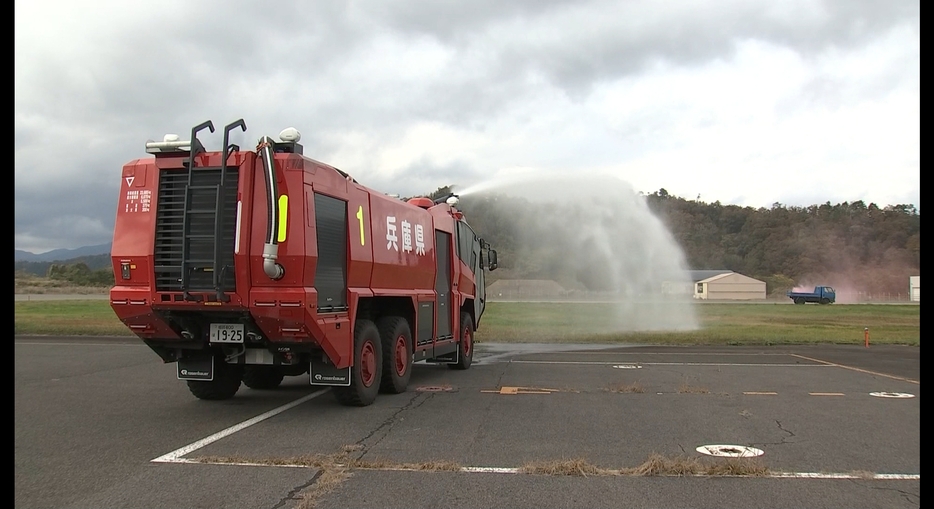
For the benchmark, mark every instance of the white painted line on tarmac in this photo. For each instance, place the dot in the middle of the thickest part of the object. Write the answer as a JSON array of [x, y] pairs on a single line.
[[861, 370], [820, 475], [741, 364], [491, 470], [176, 455]]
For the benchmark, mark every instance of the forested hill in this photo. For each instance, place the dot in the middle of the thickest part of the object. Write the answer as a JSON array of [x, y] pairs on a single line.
[[853, 245]]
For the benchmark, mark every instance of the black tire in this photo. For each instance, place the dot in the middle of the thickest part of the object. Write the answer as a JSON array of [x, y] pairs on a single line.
[[262, 377], [396, 336], [799, 300], [226, 383], [825, 301], [366, 372], [465, 345]]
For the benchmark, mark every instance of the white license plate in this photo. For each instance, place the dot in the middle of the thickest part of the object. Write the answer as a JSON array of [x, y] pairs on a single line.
[[226, 333]]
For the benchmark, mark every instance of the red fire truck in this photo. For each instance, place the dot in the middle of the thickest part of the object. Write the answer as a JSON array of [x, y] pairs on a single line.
[[244, 267]]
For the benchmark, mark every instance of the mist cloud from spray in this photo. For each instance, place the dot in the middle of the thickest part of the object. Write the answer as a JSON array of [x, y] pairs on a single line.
[[596, 237]]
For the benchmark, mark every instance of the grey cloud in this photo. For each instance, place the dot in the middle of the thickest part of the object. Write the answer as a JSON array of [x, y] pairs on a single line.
[[81, 114], [581, 56], [416, 179]]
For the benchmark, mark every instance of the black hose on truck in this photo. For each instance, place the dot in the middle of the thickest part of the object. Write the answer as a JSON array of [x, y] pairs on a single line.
[[271, 248]]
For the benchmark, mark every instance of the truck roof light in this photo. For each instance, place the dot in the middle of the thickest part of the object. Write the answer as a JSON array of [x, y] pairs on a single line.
[[421, 201]]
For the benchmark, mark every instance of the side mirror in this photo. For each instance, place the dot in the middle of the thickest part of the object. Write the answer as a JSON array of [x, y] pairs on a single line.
[[492, 256]]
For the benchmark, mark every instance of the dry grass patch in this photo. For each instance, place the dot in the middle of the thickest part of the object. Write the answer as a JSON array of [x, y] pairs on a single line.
[[340, 460], [338, 466], [328, 480], [573, 467], [333, 470], [424, 466], [438, 466], [657, 465], [747, 467], [306, 460], [622, 388]]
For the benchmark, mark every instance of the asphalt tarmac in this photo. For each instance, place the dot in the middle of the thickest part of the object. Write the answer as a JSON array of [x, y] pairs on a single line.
[[103, 423]]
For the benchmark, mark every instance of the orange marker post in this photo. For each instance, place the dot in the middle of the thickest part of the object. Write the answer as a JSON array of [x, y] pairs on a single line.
[[866, 335]]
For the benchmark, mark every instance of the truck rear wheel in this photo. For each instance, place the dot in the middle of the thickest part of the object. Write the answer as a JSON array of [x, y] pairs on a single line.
[[366, 372], [396, 337], [226, 383], [262, 377], [799, 300], [465, 346]]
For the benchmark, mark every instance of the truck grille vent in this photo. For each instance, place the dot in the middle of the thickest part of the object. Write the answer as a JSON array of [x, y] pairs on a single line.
[[172, 232]]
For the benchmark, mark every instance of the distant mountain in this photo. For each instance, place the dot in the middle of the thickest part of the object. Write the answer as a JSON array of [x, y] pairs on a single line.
[[61, 254]]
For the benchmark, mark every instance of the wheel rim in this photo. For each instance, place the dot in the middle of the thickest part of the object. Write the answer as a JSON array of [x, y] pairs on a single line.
[[468, 342], [368, 364], [402, 355]]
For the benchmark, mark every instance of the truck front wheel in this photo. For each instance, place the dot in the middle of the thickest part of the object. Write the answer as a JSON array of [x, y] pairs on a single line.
[[396, 336], [226, 383], [825, 301], [366, 372]]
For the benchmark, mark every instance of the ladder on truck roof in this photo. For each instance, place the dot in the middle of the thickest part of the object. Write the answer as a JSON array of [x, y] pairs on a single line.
[[203, 225]]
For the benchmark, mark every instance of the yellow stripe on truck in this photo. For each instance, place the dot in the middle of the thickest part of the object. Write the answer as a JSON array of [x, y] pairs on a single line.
[[283, 216]]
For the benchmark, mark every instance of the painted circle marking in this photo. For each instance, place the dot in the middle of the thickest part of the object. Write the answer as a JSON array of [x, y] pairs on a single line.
[[730, 451], [899, 395], [627, 366], [435, 388]]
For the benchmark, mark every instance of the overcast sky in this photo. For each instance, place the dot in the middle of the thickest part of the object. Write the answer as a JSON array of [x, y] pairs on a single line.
[[749, 103]]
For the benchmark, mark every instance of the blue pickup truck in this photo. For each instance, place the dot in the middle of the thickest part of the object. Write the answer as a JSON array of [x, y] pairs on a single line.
[[820, 295]]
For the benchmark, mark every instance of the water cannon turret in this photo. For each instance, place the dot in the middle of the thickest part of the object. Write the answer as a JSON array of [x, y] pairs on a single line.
[[450, 198], [169, 143]]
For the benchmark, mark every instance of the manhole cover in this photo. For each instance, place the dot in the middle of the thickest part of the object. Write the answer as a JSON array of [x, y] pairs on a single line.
[[901, 395], [730, 451], [627, 366], [435, 388]]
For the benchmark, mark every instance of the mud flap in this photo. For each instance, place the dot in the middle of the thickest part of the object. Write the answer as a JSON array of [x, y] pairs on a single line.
[[196, 368], [445, 354], [322, 372]]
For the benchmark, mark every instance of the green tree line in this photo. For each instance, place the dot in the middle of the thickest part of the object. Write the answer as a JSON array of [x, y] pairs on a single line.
[[80, 274], [94, 262]]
